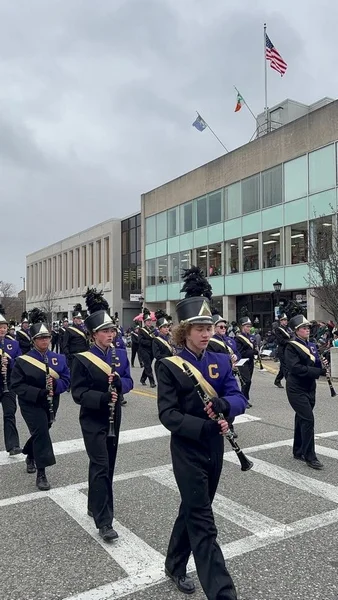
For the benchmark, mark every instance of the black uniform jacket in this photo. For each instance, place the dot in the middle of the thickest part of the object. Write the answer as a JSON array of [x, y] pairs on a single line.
[[216, 345], [145, 341], [283, 336], [24, 339], [134, 338], [161, 348], [29, 375], [246, 346], [303, 365], [74, 340]]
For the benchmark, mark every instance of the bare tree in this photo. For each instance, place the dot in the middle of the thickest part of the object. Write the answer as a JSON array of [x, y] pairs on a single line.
[[8, 297], [323, 263], [48, 305]]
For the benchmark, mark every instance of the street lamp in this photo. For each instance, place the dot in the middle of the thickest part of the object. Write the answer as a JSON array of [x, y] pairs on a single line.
[[277, 286]]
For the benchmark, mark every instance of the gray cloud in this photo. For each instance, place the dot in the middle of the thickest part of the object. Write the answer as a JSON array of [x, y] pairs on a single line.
[[97, 100]]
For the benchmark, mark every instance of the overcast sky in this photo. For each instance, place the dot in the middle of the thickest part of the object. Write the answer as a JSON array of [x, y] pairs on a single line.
[[97, 98]]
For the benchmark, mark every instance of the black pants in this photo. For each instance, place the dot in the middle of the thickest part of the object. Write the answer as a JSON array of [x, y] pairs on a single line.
[[282, 369], [55, 347], [147, 372], [102, 457], [246, 372], [39, 446], [304, 434], [11, 435], [194, 529], [134, 349]]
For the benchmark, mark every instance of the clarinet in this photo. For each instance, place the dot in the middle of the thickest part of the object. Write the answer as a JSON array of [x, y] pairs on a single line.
[[49, 387], [327, 374], [246, 464], [112, 388], [4, 375], [235, 370]]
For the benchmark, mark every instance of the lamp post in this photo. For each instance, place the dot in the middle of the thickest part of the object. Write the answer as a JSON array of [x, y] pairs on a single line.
[[277, 286]]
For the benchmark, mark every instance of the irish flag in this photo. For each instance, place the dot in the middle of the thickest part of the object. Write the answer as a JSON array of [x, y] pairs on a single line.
[[239, 102]]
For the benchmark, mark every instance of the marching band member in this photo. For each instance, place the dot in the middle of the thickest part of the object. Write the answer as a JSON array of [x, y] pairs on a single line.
[[246, 345], [145, 352], [196, 440], [11, 335], [161, 347], [64, 324], [97, 382], [10, 350], [38, 386], [23, 335], [75, 337], [283, 335]]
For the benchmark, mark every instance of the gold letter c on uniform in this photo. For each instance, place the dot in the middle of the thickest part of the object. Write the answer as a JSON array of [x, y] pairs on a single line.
[[213, 368]]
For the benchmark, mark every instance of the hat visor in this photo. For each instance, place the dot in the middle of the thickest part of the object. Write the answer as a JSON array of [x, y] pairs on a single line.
[[200, 320], [41, 335], [307, 324], [103, 327], [219, 321]]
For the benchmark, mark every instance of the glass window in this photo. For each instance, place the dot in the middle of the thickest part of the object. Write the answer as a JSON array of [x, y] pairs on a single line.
[[162, 269], [295, 178], [233, 201], [272, 187], [250, 194], [186, 217], [215, 207], [151, 230], [172, 223], [174, 268], [185, 260], [232, 249], [322, 169], [161, 226], [125, 225], [151, 271], [271, 249], [215, 260], [138, 220], [321, 238], [202, 259], [250, 253], [138, 238], [201, 212], [132, 222], [132, 240], [299, 243]]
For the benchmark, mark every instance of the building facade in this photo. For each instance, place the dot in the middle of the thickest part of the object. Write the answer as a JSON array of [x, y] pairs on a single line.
[[58, 275], [246, 219], [131, 267]]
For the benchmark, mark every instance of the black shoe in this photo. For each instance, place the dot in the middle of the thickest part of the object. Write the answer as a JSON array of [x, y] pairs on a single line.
[[90, 514], [42, 482], [184, 583], [152, 385], [279, 385], [14, 451], [315, 464], [30, 465], [123, 402], [143, 383], [108, 534], [299, 457], [249, 405]]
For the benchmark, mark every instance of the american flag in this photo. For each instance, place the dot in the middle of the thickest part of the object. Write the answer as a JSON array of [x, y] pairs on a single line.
[[271, 54]]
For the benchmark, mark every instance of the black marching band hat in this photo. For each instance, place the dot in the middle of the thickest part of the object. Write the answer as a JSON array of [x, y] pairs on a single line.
[[298, 321], [98, 308], [282, 317], [195, 307], [3, 320], [24, 317], [146, 315], [245, 321], [38, 326], [11, 325], [77, 312], [161, 318], [216, 317]]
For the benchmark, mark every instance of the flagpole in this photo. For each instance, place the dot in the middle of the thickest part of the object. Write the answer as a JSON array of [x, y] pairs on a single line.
[[212, 131], [266, 82], [246, 104]]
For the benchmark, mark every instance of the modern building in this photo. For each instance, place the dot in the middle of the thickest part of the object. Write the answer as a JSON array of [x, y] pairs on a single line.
[[246, 217], [131, 267]]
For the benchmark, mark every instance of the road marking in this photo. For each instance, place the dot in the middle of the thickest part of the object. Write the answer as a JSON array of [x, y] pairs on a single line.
[[130, 552], [126, 437], [149, 395]]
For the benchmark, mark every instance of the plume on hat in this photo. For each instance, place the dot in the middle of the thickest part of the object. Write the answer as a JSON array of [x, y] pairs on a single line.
[[24, 315], [12, 323], [37, 316], [195, 284], [146, 313], [78, 307], [160, 314], [2, 310], [214, 311], [95, 300]]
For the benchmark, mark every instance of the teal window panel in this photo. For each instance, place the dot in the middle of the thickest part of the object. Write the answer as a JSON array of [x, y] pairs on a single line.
[[272, 218], [186, 241], [150, 223], [295, 277], [320, 204], [161, 248], [251, 224], [252, 282], [173, 245], [173, 291], [295, 212], [150, 251], [233, 285], [295, 178], [233, 229], [217, 284], [201, 237], [150, 295], [215, 233], [161, 226], [161, 293], [322, 169], [270, 276]]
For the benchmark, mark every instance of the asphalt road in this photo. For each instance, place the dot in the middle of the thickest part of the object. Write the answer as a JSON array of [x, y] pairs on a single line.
[[277, 524]]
